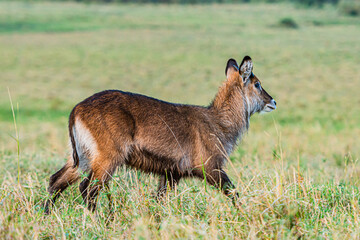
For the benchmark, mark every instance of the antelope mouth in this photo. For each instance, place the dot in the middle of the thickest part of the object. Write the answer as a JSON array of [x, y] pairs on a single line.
[[269, 108]]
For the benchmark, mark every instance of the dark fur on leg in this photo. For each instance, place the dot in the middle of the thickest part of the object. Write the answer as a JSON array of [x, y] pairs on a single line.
[[168, 180], [59, 182]]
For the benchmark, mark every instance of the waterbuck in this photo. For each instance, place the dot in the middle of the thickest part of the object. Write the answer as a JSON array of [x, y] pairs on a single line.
[[114, 128]]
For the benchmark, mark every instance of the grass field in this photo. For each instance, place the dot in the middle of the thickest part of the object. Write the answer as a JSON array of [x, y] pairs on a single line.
[[297, 169]]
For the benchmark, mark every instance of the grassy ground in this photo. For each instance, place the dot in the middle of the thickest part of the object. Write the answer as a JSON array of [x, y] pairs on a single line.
[[297, 169]]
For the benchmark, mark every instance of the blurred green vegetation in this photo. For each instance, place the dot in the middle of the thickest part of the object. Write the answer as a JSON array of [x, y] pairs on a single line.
[[350, 7], [297, 169], [303, 2], [347, 7]]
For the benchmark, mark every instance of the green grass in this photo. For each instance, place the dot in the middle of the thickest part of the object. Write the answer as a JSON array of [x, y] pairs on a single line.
[[297, 169]]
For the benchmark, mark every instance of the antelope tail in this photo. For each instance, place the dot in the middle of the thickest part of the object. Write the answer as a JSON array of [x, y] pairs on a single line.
[[72, 139]]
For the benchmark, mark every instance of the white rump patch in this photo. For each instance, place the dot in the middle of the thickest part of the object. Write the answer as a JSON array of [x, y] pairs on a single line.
[[86, 146]]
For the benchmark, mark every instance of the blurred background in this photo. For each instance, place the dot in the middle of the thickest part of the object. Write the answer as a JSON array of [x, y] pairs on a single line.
[[306, 53], [54, 54]]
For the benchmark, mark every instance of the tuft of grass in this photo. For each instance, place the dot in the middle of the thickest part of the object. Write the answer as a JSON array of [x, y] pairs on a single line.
[[349, 7], [288, 23], [16, 138], [317, 23]]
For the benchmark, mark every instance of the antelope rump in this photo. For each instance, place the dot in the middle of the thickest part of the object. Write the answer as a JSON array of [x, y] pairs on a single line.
[[114, 128]]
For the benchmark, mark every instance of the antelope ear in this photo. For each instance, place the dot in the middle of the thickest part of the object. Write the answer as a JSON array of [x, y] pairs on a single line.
[[231, 67], [246, 68]]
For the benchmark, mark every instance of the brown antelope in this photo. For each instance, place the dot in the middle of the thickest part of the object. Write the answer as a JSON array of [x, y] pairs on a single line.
[[114, 128]]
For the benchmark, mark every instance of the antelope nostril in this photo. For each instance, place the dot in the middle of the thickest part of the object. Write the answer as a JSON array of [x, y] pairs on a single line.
[[274, 102]]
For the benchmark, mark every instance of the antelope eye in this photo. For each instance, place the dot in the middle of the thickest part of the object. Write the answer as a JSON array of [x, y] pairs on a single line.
[[257, 85]]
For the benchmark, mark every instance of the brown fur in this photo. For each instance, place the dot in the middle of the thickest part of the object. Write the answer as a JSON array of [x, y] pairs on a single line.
[[171, 140]]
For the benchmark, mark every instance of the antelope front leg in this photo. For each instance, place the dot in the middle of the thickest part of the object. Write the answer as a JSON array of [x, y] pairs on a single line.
[[170, 179], [220, 179]]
